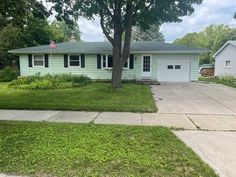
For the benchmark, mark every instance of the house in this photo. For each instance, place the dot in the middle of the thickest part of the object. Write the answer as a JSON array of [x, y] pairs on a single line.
[[149, 60], [207, 70], [225, 59]]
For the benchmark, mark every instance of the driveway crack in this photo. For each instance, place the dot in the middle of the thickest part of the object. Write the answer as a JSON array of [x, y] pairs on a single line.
[[199, 128]]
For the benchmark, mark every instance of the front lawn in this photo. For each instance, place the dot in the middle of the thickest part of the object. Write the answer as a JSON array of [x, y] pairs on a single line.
[[54, 149], [218, 81], [92, 97]]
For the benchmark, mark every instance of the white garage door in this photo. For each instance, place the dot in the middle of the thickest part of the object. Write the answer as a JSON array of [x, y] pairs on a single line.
[[173, 70]]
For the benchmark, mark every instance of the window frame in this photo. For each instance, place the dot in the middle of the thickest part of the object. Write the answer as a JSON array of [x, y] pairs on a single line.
[[170, 68], [33, 60], [127, 64], [106, 61], [227, 66], [106, 67], [79, 60], [179, 68]]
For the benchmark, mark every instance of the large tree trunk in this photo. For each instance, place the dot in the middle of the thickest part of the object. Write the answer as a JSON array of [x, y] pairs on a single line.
[[121, 56]]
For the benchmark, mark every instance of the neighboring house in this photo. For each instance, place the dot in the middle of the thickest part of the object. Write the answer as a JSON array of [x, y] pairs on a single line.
[[207, 70], [225, 59], [148, 61]]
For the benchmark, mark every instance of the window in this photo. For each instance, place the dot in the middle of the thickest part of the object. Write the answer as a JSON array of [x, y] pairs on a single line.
[[177, 66], [38, 60], [107, 61], [170, 67], [227, 63], [74, 60], [146, 63], [126, 65]]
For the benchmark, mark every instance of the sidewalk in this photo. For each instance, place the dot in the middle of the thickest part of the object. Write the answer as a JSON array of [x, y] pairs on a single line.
[[118, 118]]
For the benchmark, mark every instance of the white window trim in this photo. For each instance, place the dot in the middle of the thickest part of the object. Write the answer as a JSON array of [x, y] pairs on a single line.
[[229, 64], [106, 61], [113, 63], [37, 65], [143, 73], [79, 60]]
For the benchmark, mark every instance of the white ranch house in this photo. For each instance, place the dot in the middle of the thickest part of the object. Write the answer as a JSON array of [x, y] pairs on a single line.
[[150, 60]]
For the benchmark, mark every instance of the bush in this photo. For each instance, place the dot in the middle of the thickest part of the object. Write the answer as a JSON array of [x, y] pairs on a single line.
[[49, 81], [9, 73], [228, 78]]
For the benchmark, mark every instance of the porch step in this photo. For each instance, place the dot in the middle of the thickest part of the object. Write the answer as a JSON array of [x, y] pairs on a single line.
[[147, 82]]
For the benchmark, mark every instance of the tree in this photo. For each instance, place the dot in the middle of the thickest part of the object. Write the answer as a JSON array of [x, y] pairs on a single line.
[[235, 15], [17, 12], [119, 16], [63, 32], [213, 38], [151, 34]]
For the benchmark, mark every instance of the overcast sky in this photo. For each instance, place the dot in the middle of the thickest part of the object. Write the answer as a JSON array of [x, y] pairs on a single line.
[[209, 12]]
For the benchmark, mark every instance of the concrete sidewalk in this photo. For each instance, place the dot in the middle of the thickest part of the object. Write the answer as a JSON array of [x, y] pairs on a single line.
[[181, 121], [118, 118]]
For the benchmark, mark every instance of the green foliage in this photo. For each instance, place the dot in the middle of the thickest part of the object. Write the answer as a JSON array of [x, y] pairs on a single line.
[[151, 34], [224, 80], [24, 24], [62, 32], [8, 74], [49, 81], [62, 149], [228, 78], [17, 12], [213, 38], [92, 97]]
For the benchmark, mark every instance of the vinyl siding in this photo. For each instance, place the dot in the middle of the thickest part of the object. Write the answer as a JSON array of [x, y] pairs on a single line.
[[228, 53], [56, 66], [194, 68]]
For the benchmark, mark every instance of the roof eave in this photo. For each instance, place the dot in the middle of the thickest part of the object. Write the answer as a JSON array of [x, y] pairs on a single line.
[[222, 48], [135, 52]]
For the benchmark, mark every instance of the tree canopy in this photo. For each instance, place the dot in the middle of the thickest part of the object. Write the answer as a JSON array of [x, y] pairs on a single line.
[[213, 38], [24, 23], [117, 17], [151, 34]]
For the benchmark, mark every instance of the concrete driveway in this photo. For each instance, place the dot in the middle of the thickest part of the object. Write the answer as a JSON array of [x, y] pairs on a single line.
[[218, 149], [207, 106]]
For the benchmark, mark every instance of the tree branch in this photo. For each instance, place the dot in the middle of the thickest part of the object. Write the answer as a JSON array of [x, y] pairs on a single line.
[[103, 5], [104, 28], [128, 31]]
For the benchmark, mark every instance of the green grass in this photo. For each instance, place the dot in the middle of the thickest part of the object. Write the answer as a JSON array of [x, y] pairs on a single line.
[[54, 149], [218, 81], [92, 97]]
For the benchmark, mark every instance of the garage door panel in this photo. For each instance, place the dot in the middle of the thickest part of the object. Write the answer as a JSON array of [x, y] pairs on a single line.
[[173, 70]]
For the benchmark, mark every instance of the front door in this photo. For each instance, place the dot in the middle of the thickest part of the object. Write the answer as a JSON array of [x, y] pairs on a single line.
[[146, 66]]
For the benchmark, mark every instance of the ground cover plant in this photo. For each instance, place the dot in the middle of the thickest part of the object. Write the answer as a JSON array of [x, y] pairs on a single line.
[[59, 150], [96, 96], [224, 80], [49, 81]]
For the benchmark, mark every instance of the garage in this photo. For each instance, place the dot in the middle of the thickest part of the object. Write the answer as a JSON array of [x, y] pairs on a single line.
[[173, 70]]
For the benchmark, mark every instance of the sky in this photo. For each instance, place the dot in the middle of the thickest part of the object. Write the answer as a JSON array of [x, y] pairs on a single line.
[[209, 12]]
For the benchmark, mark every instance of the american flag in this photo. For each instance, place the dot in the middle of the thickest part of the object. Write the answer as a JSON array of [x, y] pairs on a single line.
[[53, 45]]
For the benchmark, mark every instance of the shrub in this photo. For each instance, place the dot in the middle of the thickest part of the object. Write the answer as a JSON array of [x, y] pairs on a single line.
[[228, 78], [8, 74], [49, 81]]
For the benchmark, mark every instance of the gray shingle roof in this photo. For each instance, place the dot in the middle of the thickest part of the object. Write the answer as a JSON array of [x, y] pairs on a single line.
[[226, 44], [106, 47]]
